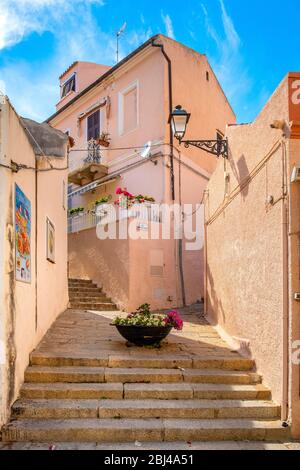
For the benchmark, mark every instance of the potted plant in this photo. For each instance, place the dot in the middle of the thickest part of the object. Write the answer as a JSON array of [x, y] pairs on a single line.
[[144, 328], [103, 139], [76, 211], [102, 200]]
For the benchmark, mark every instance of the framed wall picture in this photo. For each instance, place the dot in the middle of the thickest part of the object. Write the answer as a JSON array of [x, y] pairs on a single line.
[[22, 236], [50, 241]]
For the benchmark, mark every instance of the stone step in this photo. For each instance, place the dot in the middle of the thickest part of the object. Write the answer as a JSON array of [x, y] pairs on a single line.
[[72, 391], [61, 359], [46, 374], [176, 375], [80, 281], [126, 360], [200, 409], [91, 288], [89, 299], [98, 306], [130, 430], [193, 409], [197, 362], [91, 294], [188, 391]]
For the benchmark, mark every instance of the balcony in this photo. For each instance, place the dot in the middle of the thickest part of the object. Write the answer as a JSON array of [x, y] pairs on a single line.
[[89, 166], [109, 213]]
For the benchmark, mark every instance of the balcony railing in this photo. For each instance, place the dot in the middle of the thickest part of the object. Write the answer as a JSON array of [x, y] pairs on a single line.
[[110, 213]]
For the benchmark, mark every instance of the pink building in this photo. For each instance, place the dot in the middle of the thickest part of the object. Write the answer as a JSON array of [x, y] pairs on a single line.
[[132, 102], [252, 221]]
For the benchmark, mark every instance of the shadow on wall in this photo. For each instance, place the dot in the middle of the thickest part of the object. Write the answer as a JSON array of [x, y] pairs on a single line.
[[241, 172], [214, 304]]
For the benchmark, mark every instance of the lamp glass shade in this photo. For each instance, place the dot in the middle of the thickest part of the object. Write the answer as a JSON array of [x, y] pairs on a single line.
[[179, 119]]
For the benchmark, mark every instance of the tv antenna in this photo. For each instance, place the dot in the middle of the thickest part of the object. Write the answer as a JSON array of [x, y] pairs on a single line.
[[119, 33]]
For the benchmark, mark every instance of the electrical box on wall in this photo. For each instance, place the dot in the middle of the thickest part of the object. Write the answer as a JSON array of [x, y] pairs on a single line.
[[295, 174]]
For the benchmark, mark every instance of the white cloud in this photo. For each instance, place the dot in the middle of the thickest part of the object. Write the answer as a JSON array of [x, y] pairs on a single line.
[[33, 87], [168, 25], [18, 18]]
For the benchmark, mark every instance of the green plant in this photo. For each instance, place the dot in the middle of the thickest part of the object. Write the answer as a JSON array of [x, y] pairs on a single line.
[[102, 200], [76, 210], [143, 317]]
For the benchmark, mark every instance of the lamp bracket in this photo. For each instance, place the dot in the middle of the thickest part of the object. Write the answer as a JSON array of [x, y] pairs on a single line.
[[215, 147]]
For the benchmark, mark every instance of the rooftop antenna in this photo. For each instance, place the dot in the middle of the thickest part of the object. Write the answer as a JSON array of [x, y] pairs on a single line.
[[119, 33]]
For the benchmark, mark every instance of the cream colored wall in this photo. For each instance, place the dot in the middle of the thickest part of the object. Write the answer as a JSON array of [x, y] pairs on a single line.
[[52, 278], [19, 330], [294, 280], [247, 249]]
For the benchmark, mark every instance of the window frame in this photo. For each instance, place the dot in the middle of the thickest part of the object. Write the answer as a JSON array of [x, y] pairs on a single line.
[[87, 119], [122, 93], [74, 75]]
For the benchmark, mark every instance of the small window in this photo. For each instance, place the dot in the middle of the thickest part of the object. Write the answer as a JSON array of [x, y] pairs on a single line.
[[207, 76], [68, 86], [128, 109], [93, 126]]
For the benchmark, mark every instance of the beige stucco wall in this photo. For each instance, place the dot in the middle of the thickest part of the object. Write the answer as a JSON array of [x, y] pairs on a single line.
[[248, 247], [294, 286], [21, 324]]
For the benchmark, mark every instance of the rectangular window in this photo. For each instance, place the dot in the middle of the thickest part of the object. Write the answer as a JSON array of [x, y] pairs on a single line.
[[69, 85], [128, 109], [93, 126]]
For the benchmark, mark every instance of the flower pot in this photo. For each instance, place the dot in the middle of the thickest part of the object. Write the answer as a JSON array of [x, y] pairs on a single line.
[[103, 143], [144, 335]]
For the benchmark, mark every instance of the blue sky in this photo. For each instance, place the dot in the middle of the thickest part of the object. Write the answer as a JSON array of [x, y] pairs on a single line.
[[250, 44]]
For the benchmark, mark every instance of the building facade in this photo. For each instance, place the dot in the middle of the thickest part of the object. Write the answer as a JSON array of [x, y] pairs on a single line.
[[33, 242], [131, 102], [252, 224]]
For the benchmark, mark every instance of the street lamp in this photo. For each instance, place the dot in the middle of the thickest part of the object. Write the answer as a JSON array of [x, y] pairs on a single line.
[[179, 119]]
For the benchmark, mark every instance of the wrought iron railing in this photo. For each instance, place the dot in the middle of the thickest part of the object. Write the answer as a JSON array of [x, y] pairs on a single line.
[[110, 213]]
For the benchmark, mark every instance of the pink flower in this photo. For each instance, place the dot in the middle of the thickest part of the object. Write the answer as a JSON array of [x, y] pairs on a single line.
[[119, 190], [174, 319]]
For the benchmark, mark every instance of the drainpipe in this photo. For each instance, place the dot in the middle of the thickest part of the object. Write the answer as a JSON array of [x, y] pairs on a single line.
[[36, 242], [161, 46], [286, 291], [170, 85]]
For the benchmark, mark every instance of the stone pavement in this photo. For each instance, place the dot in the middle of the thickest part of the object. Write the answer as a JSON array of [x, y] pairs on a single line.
[[158, 446], [84, 383]]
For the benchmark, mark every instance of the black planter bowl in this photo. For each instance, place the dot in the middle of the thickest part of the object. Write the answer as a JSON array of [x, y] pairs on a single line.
[[144, 335]]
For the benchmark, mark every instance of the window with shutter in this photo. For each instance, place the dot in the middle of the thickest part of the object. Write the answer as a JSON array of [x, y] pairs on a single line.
[[69, 85], [93, 126]]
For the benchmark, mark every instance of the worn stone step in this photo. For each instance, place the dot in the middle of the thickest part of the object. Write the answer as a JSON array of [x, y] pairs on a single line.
[[127, 375], [80, 281], [200, 409], [89, 297], [64, 374], [85, 290], [198, 362], [101, 306], [72, 391], [54, 408], [188, 391], [90, 300], [143, 375], [130, 430], [59, 359], [221, 376]]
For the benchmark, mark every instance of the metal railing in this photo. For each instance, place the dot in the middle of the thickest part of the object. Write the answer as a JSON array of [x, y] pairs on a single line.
[[110, 213]]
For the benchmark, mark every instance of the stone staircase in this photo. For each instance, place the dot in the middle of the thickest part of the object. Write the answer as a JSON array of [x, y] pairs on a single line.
[[86, 295], [123, 399]]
